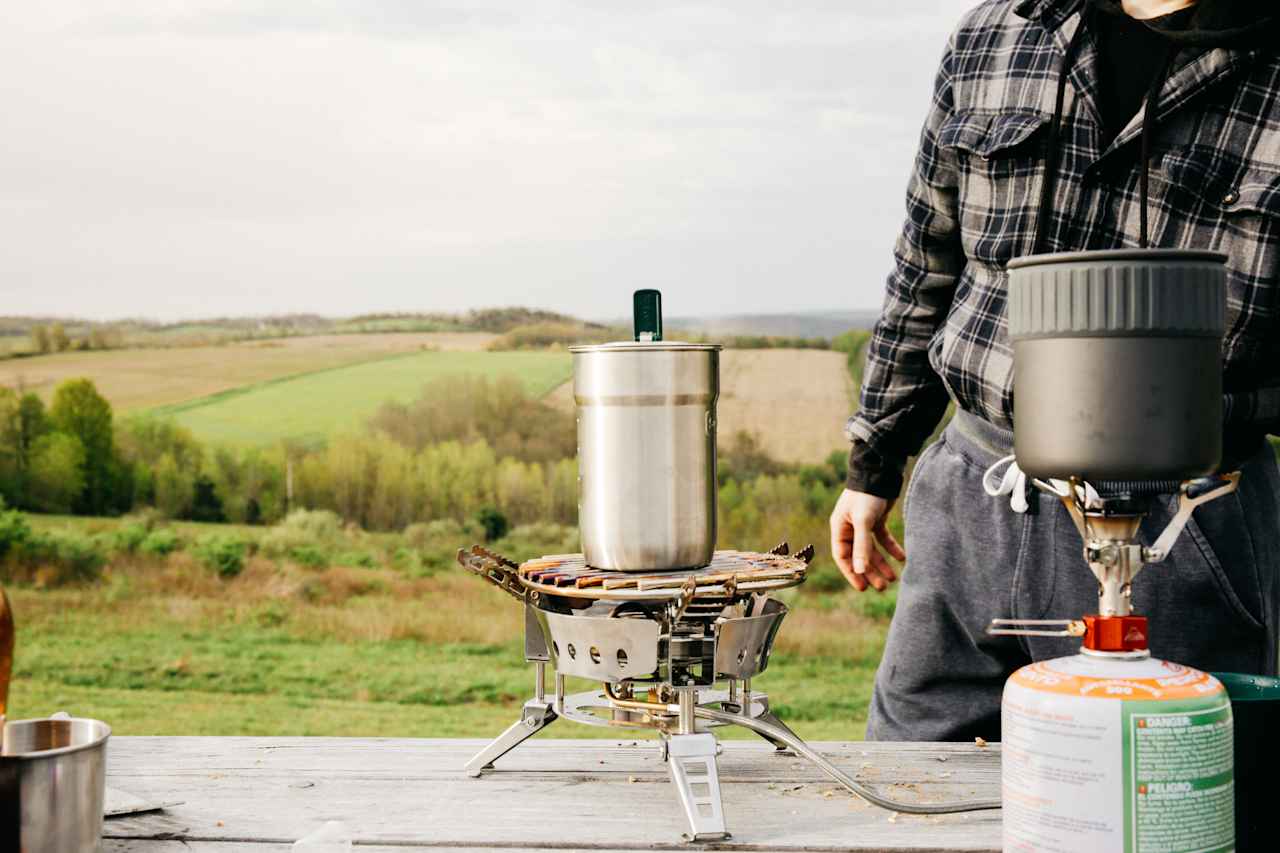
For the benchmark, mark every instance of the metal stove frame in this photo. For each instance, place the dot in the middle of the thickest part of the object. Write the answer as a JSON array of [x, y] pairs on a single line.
[[673, 645]]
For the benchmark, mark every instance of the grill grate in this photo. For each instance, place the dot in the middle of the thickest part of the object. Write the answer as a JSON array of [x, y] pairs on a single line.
[[729, 574]]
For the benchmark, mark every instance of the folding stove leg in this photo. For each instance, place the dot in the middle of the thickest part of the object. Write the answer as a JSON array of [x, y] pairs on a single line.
[[537, 714], [535, 717], [691, 758]]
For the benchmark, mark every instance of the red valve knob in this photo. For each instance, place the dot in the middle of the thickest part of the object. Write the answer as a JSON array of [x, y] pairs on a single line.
[[1115, 633]]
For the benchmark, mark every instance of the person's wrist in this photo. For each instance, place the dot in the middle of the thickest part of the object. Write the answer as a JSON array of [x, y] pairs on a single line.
[[872, 473], [885, 486]]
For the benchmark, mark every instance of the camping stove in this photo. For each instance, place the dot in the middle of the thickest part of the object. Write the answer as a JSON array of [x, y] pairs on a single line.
[[660, 643]]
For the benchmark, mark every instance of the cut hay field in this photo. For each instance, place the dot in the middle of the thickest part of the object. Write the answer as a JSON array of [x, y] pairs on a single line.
[[795, 402], [135, 379], [318, 404]]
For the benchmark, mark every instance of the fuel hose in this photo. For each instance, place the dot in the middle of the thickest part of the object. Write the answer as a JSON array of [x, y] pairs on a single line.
[[782, 735]]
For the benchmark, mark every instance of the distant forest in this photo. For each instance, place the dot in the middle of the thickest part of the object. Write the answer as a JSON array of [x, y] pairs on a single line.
[[519, 328], [23, 336]]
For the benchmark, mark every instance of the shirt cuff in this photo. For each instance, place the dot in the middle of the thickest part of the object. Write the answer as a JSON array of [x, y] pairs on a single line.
[[872, 473]]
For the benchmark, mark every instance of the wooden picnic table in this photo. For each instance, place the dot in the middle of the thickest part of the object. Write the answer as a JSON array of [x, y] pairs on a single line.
[[261, 794]]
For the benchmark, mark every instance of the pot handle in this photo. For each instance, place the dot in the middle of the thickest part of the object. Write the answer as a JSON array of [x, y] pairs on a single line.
[[646, 307]]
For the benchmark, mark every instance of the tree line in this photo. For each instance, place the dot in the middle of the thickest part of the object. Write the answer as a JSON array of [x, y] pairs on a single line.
[[468, 450], [55, 338], [466, 444]]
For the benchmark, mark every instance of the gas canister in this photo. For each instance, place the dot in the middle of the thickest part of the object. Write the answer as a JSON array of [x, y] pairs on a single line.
[[1116, 753]]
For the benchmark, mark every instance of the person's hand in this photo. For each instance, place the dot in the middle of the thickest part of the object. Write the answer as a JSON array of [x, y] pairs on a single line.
[[860, 539]]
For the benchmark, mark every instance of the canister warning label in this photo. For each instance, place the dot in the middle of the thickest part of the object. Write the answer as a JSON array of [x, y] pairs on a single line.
[[1180, 779]]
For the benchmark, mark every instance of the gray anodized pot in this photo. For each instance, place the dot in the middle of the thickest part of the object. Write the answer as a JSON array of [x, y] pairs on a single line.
[[1117, 363]]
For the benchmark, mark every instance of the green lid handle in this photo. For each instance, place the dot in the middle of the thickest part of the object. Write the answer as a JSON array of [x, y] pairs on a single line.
[[647, 310]]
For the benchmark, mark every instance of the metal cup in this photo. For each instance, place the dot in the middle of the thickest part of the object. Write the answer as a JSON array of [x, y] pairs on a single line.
[[53, 776], [647, 453]]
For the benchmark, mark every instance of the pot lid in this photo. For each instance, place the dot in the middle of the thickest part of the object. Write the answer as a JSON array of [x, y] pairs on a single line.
[[646, 346], [1107, 256]]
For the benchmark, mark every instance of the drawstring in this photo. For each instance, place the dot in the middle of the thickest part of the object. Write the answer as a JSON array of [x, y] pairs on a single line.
[[1040, 242], [1014, 483], [1148, 128]]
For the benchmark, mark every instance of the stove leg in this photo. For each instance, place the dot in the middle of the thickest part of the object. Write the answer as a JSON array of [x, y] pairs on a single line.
[[691, 760], [536, 715]]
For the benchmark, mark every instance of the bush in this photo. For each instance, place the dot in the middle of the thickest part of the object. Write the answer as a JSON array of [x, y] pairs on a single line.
[[78, 557], [493, 523], [314, 523], [306, 536], [311, 556], [412, 562], [160, 543], [14, 530], [128, 538], [533, 540], [224, 554], [57, 557], [441, 531], [356, 560]]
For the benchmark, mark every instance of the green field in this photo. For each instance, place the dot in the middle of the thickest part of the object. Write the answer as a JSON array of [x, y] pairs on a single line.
[[316, 405], [165, 646]]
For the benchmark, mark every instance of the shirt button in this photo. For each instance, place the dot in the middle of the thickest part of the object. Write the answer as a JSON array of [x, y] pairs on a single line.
[[1231, 198]]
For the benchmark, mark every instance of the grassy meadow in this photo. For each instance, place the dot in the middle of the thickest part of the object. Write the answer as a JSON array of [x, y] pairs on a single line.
[[163, 644]]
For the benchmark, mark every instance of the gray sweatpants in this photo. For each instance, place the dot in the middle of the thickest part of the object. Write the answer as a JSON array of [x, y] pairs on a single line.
[[1212, 604]]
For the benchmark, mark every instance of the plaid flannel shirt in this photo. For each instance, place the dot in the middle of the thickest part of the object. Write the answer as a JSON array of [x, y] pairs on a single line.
[[972, 205]]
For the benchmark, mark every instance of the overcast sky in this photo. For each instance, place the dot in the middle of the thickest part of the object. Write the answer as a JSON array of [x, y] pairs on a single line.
[[180, 158]]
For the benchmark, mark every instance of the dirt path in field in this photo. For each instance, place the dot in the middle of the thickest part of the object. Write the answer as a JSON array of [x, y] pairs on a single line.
[[794, 401], [144, 378]]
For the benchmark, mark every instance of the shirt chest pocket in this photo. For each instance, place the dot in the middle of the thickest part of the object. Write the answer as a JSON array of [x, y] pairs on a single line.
[[1222, 194], [1215, 203], [998, 156]]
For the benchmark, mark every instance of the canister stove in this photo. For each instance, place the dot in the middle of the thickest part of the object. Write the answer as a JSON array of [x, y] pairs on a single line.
[[661, 643]]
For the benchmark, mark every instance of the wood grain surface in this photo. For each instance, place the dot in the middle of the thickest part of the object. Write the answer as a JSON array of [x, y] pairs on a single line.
[[261, 794]]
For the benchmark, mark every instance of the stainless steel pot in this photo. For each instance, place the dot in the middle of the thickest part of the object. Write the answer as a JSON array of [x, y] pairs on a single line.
[[647, 453], [1117, 363], [53, 776]]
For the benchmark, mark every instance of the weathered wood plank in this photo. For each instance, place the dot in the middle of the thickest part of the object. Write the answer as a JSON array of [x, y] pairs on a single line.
[[272, 847], [428, 759], [588, 795]]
